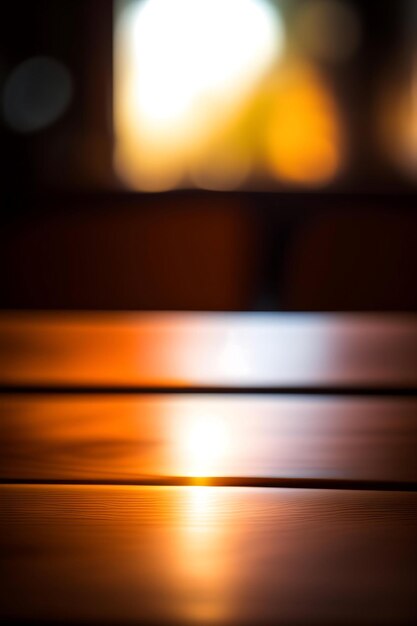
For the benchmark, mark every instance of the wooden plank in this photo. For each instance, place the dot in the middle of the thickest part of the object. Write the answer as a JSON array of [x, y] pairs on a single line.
[[125, 438], [196, 555], [220, 350]]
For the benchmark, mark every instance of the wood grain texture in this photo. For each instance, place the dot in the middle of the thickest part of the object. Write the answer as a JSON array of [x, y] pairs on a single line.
[[177, 349], [107, 554], [127, 438], [206, 555]]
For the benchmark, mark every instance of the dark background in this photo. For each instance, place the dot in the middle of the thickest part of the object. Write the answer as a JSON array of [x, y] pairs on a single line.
[[73, 237]]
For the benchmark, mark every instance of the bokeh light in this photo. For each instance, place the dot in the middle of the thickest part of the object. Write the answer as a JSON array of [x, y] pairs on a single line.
[[185, 70], [36, 94], [328, 30], [397, 119], [303, 135], [220, 94]]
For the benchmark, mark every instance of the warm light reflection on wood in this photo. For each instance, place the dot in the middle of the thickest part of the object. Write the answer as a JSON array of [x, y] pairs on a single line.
[[236, 349], [130, 438], [202, 442], [214, 555], [202, 561]]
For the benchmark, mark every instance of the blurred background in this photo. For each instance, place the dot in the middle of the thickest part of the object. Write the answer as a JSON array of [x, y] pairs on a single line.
[[208, 154]]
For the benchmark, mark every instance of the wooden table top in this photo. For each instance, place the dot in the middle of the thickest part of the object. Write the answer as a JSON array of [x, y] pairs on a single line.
[[207, 555], [154, 437], [208, 468], [208, 349]]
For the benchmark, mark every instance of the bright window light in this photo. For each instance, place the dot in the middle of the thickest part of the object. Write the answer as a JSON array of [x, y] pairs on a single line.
[[184, 72]]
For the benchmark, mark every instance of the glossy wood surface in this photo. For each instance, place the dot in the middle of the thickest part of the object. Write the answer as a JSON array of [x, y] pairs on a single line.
[[324, 400], [207, 555], [85, 437], [217, 349]]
